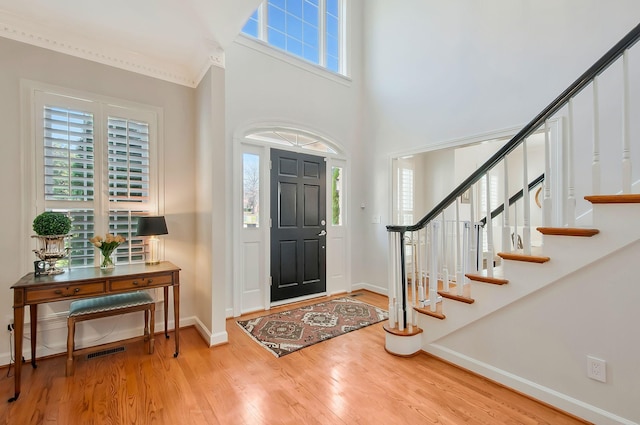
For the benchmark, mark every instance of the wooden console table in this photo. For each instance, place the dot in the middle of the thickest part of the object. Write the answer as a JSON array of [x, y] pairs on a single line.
[[85, 283]]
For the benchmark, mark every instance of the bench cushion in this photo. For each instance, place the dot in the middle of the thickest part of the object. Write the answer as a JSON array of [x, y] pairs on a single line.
[[108, 303]]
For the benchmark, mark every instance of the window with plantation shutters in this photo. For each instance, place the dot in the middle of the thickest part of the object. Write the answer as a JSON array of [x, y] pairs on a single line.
[[128, 160], [68, 154], [95, 161]]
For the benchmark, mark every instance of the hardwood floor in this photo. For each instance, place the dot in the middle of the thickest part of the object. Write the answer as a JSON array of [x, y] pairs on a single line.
[[346, 380]]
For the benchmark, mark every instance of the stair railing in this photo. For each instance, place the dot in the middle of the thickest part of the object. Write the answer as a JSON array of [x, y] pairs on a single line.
[[433, 242]]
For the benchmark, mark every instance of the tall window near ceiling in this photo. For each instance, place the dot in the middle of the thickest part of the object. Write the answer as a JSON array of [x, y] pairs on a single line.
[[97, 163], [309, 29]]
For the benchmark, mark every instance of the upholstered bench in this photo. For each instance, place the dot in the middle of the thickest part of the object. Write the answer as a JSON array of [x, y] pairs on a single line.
[[109, 305]]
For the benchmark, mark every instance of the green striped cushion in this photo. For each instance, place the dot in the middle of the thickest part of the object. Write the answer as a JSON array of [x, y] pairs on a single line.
[[108, 303]]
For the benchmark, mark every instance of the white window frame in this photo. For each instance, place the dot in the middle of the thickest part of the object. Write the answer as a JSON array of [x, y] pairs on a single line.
[[34, 95], [262, 44]]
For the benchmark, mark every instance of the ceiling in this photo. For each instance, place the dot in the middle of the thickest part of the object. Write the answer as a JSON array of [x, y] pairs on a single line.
[[175, 40]]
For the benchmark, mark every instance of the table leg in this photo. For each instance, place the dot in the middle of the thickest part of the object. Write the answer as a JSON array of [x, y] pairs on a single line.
[[18, 322], [33, 310], [166, 311], [176, 316]]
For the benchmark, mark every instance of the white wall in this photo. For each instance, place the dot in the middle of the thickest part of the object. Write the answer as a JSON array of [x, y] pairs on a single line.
[[20, 61]]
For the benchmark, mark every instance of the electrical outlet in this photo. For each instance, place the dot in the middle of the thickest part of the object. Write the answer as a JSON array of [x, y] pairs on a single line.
[[596, 369]]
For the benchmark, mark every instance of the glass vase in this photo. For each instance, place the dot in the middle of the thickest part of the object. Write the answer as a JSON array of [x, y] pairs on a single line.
[[107, 262]]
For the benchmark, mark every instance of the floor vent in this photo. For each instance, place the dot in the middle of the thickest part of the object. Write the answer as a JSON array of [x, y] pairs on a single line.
[[105, 352]]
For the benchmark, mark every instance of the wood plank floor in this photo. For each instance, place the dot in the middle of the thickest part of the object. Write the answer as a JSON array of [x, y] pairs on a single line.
[[346, 380]]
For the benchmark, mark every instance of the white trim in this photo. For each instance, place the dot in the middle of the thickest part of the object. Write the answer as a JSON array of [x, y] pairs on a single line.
[[277, 124], [298, 299], [39, 35], [267, 49], [211, 339]]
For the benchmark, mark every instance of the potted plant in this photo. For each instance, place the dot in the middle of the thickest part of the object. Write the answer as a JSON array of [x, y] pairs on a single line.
[[51, 230], [51, 224]]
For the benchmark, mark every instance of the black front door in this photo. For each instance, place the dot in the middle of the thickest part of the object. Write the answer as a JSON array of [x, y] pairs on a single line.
[[298, 241]]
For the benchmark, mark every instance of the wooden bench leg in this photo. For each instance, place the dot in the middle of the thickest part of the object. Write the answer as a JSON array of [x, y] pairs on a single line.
[[152, 327], [71, 330]]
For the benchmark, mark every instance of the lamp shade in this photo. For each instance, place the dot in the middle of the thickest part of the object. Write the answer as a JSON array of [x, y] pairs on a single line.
[[152, 226]]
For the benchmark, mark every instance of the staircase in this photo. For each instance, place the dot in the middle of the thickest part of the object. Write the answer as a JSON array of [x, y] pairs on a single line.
[[450, 272], [522, 275]]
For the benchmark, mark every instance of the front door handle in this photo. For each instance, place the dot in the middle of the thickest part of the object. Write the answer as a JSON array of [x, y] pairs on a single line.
[[322, 233]]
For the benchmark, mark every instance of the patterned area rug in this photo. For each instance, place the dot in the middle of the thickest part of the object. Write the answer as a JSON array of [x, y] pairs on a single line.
[[288, 331]]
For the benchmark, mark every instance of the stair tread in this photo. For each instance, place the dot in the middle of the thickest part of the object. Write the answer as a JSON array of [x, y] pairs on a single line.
[[453, 296], [568, 231], [627, 198], [428, 312], [519, 256], [482, 277]]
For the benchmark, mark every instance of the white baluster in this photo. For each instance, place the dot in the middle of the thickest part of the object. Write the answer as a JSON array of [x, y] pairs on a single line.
[[489, 224], [467, 242], [474, 240], [460, 259], [479, 241], [425, 274], [393, 279], [526, 229], [547, 205], [407, 307], [418, 257], [626, 127], [595, 166], [433, 278], [506, 227], [571, 199], [445, 256]]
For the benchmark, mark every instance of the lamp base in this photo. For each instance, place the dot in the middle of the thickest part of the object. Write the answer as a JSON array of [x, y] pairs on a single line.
[[151, 263], [153, 257]]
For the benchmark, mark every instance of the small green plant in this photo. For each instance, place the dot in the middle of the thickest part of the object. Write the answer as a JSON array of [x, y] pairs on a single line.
[[51, 223]]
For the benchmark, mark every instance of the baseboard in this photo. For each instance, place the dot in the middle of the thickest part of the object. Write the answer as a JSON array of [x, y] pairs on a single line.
[[369, 287], [210, 338], [531, 389]]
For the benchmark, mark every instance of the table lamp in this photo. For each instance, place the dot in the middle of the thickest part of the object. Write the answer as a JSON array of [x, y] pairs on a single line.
[[152, 226]]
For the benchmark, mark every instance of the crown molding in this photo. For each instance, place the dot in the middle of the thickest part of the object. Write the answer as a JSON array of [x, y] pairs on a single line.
[[33, 33]]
